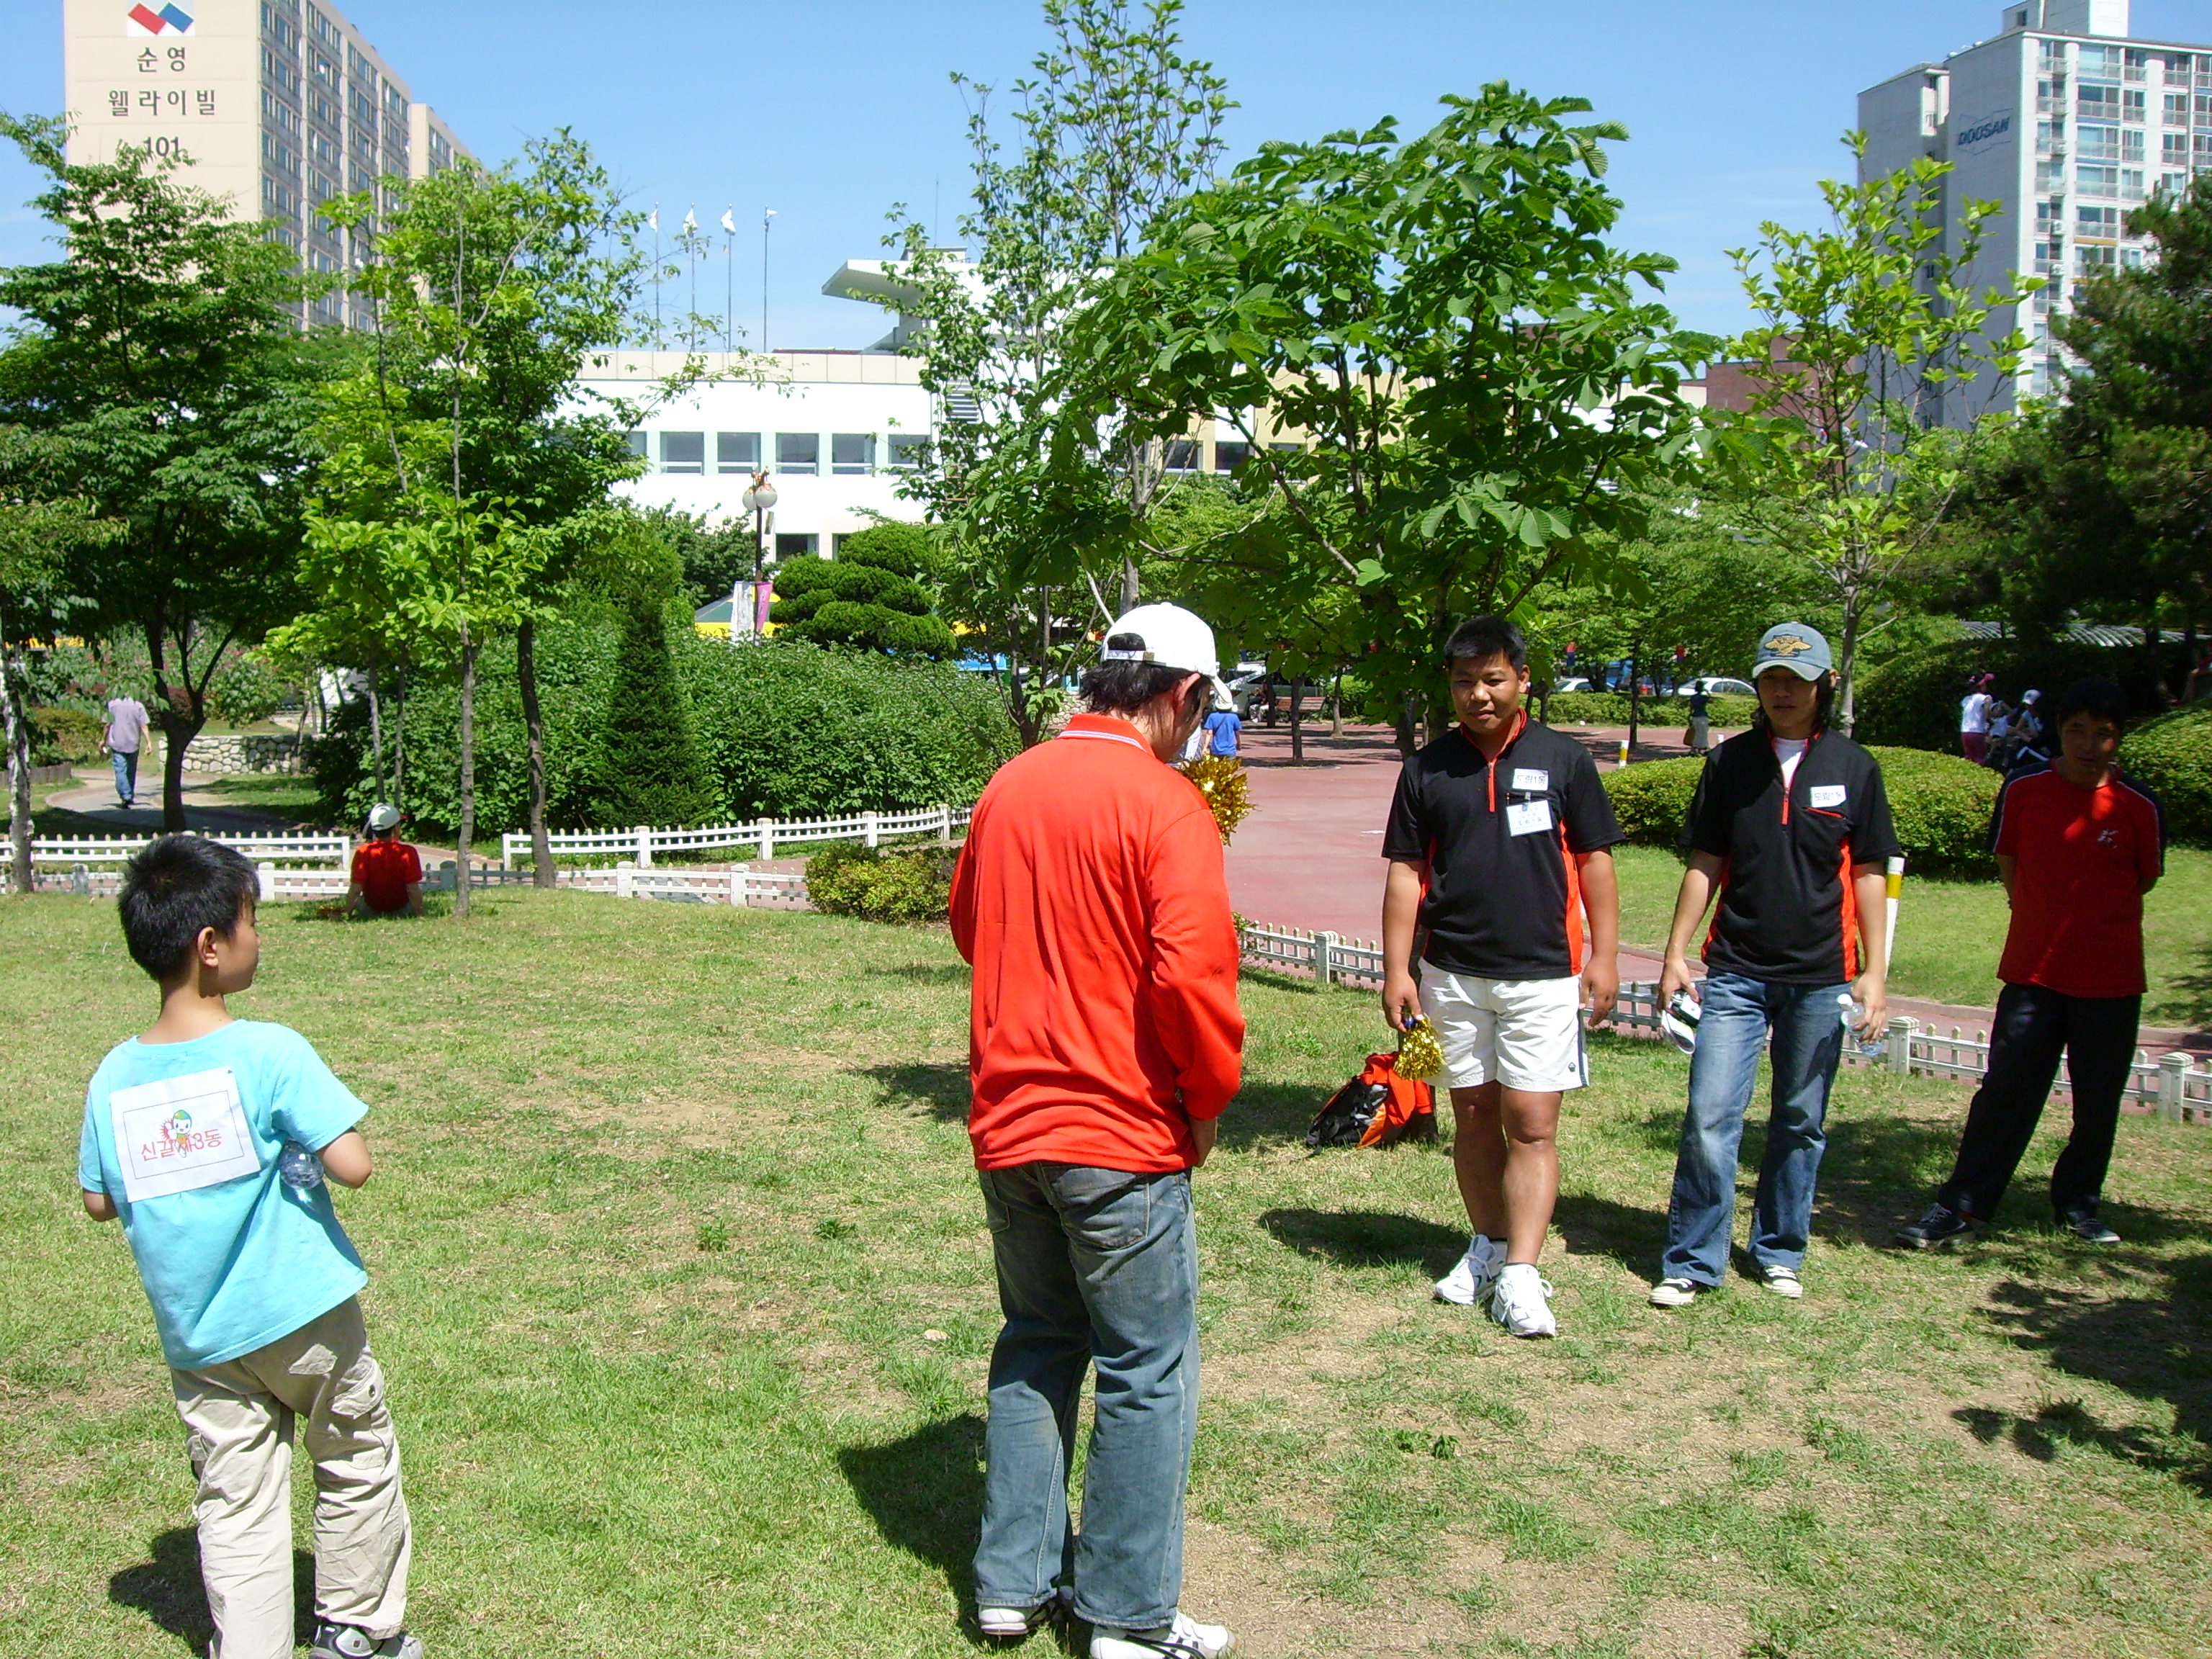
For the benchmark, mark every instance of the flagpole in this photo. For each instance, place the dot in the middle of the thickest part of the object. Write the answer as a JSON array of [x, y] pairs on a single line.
[[653, 219], [766, 214], [729, 279], [691, 254]]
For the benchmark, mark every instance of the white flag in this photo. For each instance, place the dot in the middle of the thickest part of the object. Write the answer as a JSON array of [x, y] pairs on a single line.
[[652, 220], [729, 220], [690, 220]]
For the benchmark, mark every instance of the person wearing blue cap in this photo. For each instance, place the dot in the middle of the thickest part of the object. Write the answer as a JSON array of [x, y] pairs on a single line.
[[1788, 833]]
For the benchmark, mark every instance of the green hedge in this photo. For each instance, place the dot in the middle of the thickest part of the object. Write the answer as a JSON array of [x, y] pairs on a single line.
[[782, 730], [64, 736], [1941, 805], [1911, 700], [1611, 709], [851, 880], [2173, 755]]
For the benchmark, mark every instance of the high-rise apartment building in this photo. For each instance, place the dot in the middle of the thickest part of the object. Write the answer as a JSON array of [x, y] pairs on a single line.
[[279, 105], [2065, 121]]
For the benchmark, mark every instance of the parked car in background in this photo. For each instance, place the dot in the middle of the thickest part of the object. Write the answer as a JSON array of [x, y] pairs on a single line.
[[1720, 685], [1572, 682]]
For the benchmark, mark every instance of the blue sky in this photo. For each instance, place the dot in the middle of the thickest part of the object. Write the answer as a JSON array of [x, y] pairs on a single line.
[[832, 111]]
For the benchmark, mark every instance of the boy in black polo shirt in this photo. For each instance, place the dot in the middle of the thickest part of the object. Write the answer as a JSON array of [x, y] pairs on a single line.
[[1496, 844], [1791, 823]]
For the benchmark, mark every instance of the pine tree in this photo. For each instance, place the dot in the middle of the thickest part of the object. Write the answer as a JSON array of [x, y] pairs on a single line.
[[649, 767]]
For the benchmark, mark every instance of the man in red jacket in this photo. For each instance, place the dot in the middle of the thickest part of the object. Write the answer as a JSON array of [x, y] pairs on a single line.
[[1105, 1039]]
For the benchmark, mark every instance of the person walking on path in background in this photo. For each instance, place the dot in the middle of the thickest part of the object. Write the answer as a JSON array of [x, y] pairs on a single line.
[[1224, 732], [210, 1138], [1498, 843], [127, 721], [387, 872], [2077, 846], [1700, 733], [1105, 1040], [1974, 719], [1790, 828]]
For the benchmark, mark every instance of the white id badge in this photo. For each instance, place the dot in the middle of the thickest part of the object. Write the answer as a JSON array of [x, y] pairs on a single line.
[[1826, 796], [181, 1134], [1531, 781], [1528, 817]]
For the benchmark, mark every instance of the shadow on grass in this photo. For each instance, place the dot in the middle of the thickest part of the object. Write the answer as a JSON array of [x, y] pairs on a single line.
[[168, 1590], [925, 1492], [1598, 1226], [1367, 1238], [925, 973], [940, 1089], [2154, 1341], [2188, 1003], [1267, 1112]]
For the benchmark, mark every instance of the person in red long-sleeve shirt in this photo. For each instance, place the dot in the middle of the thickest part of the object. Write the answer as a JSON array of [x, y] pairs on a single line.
[[1105, 1040]]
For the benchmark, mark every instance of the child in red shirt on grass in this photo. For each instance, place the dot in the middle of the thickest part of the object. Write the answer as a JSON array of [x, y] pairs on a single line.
[[387, 873], [2077, 846]]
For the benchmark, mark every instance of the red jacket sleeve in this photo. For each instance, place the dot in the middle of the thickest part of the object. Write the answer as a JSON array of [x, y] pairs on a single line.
[[1190, 986]]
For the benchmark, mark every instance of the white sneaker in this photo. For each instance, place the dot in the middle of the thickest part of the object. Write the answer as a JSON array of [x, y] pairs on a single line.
[[1782, 1281], [1675, 1293], [1522, 1302], [1186, 1638], [1470, 1280], [1013, 1623]]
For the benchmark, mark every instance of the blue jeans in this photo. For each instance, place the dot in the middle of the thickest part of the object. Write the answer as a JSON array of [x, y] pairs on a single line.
[[1096, 1267], [126, 774], [1808, 1042]]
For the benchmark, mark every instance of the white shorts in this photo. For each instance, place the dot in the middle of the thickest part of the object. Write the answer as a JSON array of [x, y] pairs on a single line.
[[1524, 1033]]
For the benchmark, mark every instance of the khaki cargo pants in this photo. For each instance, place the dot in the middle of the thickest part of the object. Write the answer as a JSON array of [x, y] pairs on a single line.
[[238, 1421]]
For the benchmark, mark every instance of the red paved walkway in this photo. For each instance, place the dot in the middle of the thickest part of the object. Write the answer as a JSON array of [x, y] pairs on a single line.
[[1311, 854]]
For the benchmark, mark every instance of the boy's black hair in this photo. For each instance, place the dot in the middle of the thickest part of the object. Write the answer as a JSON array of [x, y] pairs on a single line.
[[2099, 699], [1122, 687], [1486, 636], [174, 887]]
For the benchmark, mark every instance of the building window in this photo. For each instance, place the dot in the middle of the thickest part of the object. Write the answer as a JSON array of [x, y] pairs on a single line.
[[2131, 144], [2098, 144], [636, 441], [908, 450], [2097, 103], [2103, 62], [682, 452], [1230, 454], [737, 452], [852, 452], [1182, 455], [2205, 109], [2177, 109], [795, 547], [798, 452], [2096, 222], [2095, 261], [2097, 181]]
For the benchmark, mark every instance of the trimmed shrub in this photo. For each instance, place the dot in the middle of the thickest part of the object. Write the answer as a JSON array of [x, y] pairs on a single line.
[[1940, 803], [2173, 755], [782, 729], [648, 770], [64, 737], [1611, 709], [879, 886]]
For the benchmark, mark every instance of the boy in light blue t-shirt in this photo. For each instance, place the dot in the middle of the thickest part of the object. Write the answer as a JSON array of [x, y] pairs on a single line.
[[201, 1137]]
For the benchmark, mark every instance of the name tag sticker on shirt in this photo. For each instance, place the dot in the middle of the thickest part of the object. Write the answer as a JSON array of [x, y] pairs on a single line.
[[1531, 781], [180, 1134], [1528, 817], [1825, 795]]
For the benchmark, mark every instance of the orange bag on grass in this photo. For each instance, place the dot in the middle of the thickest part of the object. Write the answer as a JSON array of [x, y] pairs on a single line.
[[1378, 1107]]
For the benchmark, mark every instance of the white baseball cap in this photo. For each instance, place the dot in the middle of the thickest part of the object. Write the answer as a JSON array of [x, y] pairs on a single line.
[[383, 816], [1172, 637]]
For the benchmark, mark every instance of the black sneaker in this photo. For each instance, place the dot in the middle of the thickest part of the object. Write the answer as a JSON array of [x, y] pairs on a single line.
[[2089, 1226], [1940, 1225]]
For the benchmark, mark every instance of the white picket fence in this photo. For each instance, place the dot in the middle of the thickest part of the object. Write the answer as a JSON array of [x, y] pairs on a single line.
[[2173, 1085], [65, 851], [641, 843]]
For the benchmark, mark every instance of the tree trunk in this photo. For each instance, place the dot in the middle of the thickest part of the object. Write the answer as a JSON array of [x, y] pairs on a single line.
[[18, 733], [533, 718], [1403, 727], [1129, 586], [2154, 654], [468, 825], [376, 734], [1635, 695], [399, 740], [1336, 705], [1847, 674], [1297, 732], [178, 731]]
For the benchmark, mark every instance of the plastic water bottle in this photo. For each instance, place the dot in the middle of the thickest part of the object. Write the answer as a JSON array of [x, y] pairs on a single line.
[[299, 1169], [1874, 1047]]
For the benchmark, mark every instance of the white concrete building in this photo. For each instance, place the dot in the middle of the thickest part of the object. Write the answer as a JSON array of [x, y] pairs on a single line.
[[834, 430], [2064, 120], [279, 105]]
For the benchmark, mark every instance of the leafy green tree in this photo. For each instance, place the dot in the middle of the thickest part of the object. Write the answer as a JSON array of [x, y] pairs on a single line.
[[873, 596], [160, 354], [1115, 123], [489, 289], [650, 770], [1869, 330], [1417, 339], [39, 531]]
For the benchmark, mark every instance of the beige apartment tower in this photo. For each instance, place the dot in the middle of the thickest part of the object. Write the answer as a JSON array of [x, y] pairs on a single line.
[[278, 105]]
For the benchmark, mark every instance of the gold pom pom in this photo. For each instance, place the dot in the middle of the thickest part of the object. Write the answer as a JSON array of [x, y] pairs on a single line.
[[1419, 1055], [1221, 780]]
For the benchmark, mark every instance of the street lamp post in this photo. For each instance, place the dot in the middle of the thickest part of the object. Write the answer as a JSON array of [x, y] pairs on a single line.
[[760, 501]]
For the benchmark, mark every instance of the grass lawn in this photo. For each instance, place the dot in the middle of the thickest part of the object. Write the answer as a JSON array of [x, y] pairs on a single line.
[[681, 1286], [274, 792], [1950, 933]]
